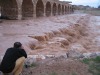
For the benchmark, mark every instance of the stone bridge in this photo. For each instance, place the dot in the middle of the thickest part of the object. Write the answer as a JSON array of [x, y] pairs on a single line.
[[24, 9]]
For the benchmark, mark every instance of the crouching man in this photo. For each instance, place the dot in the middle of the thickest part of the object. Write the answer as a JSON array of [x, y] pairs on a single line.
[[13, 60]]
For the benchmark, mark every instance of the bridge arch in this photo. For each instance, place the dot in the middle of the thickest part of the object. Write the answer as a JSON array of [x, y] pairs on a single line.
[[48, 9], [9, 9], [54, 9], [63, 9], [59, 9], [39, 8], [27, 9]]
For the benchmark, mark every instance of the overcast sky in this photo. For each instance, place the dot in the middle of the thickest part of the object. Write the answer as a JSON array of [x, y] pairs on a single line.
[[93, 3]]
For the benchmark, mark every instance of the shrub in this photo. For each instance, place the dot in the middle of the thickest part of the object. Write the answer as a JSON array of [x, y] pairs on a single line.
[[94, 65]]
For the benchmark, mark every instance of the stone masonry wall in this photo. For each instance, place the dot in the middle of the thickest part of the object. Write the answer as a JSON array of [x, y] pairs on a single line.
[[23, 9]]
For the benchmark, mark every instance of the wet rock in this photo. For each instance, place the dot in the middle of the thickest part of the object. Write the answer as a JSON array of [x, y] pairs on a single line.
[[90, 55], [64, 56], [50, 56], [93, 55], [75, 51], [74, 54], [86, 55], [98, 53], [33, 58], [30, 59]]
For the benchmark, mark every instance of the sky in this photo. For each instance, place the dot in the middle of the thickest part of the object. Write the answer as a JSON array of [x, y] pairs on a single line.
[[92, 3]]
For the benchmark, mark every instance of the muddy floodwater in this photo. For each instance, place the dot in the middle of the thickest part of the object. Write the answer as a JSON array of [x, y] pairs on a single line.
[[54, 37]]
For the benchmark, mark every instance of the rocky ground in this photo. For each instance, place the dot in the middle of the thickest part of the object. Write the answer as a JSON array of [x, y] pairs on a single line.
[[57, 66], [54, 43]]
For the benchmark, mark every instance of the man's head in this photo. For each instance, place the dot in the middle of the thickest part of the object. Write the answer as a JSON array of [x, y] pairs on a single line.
[[17, 45]]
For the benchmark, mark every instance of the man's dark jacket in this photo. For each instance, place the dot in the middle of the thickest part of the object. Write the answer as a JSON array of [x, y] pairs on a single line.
[[9, 59]]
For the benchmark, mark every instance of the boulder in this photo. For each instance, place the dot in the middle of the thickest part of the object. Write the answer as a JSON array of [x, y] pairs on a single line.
[[50, 56], [93, 55], [75, 51], [33, 58], [74, 54], [98, 53], [89, 55]]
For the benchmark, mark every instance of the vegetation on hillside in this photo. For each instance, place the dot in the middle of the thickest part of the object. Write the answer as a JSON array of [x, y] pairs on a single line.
[[94, 65]]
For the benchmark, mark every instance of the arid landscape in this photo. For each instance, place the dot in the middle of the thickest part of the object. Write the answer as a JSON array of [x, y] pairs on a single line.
[[55, 45]]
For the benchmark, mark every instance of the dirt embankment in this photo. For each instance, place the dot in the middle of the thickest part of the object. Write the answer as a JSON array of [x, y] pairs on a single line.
[[57, 66]]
